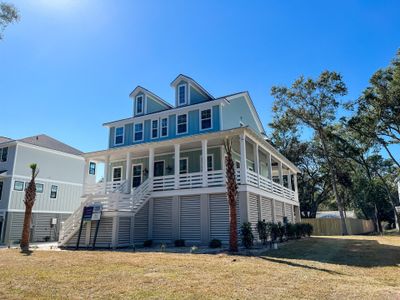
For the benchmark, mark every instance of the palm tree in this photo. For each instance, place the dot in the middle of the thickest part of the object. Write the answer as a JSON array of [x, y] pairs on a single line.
[[231, 190], [30, 197]]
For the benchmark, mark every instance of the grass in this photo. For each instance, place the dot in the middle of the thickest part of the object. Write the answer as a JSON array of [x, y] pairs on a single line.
[[364, 267]]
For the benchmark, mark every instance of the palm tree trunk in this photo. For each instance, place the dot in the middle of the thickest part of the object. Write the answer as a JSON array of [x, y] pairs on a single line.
[[231, 189], [26, 230]]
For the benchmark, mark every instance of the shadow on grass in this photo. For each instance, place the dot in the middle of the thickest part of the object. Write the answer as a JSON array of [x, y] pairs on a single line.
[[350, 252], [293, 264], [26, 253]]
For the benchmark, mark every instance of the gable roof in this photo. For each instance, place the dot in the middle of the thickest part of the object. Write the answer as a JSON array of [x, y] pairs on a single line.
[[193, 82], [45, 141], [139, 89], [4, 139]]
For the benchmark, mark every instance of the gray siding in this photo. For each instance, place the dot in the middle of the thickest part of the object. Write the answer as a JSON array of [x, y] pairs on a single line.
[[104, 236], [5, 196], [8, 164], [124, 231], [68, 197], [190, 228], [289, 212], [162, 219], [51, 165]]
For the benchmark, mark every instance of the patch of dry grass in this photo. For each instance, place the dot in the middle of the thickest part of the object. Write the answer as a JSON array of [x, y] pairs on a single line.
[[334, 267]]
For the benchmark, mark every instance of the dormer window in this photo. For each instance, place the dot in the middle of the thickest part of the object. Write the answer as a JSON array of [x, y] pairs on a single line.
[[182, 94], [139, 105]]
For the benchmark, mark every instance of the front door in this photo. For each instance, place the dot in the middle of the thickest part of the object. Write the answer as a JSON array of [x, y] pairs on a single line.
[[159, 168], [136, 175]]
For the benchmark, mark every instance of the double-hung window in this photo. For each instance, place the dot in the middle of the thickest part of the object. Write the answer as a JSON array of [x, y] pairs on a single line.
[[154, 129], [119, 136], [182, 94], [92, 168], [139, 105], [3, 154], [205, 119], [138, 135], [53, 192], [181, 124], [164, 127]]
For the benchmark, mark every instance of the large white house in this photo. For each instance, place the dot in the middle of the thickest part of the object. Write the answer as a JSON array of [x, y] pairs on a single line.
[[164, 171], [58, 186]]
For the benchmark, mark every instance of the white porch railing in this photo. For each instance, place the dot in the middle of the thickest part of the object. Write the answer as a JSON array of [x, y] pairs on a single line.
[[270, 186], [108, 187], [163, 183]]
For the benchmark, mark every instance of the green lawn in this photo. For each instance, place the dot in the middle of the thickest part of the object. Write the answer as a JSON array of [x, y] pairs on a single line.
[[365, 267]]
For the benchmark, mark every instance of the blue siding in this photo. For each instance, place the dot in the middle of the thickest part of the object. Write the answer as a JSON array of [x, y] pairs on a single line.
[[196, 97], [154, 106], [193, 128]]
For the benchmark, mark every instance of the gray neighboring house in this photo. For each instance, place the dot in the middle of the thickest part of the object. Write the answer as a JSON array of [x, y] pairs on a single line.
[[59, 186]]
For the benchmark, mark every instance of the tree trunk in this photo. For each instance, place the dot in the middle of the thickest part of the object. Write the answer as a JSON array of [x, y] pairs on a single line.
[[26, 230], [231, 187], [332, 171]]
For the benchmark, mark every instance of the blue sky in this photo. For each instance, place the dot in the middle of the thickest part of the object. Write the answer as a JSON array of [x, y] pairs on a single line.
[[68, 66]]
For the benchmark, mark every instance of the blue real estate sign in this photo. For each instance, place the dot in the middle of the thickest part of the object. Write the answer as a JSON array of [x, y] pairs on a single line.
[[87, 213], [92, 213]]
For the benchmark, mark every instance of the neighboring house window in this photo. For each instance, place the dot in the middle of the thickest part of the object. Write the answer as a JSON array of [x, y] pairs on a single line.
[[18, 186], [92, 168], [139, 105], [53, 192], [39, 187], [164, 127], [182, 94], [237, 165], [3, 154], [154, 129], [117, 174], [210, 162], [181, 124], [138, 132], [1, 189], [183, 165], [119, 136], [205, 119]]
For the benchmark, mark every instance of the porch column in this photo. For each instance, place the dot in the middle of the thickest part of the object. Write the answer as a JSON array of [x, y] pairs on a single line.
[[204, 161], [289, 178], [106, 168], [223, 164], [280, 173], [256, 162], [243, 159], [128, 178], [296, 191], [269, 158], [86, 172], [151, 167], [176, 164]]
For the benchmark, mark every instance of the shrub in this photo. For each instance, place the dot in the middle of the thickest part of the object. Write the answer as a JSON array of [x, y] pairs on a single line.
[[262, 229], [308, 229], [290, 230], [148, 243], [247, 235], [298, 230], [280, 231], [179, 243], [215, 243], [273, 231]]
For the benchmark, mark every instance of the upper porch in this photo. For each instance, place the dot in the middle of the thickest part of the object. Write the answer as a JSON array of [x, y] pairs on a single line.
[[198, 161]]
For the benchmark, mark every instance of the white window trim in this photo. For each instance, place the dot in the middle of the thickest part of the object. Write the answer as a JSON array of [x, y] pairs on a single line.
[[211, 119], [1, 154], [136, 106], [115, 135], [134, 131], [112, 172], [1, 190], [187, 165], [141, 172], [151, 129], [161, 135], [213, 162], [56, 191], [187, 123], [186, 94], [13, 186]]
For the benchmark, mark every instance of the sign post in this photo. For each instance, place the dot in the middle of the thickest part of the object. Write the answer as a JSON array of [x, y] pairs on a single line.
[[96, 216]]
